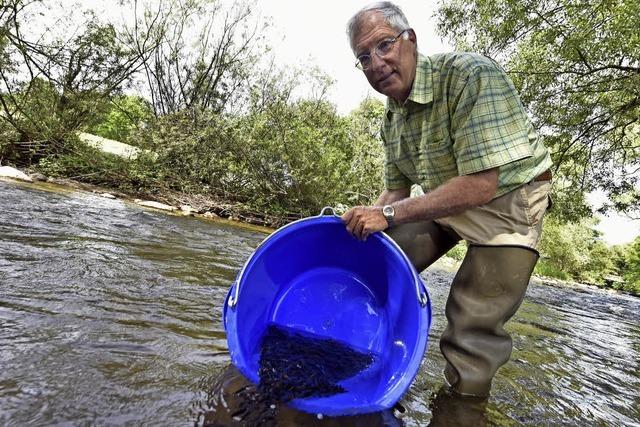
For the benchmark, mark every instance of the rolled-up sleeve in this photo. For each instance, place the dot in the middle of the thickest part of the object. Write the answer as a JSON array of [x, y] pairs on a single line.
[[487, 124]]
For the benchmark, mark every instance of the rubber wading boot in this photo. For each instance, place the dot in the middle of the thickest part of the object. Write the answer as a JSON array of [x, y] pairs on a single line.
[[487, 290], [450, 409], [423, 242]]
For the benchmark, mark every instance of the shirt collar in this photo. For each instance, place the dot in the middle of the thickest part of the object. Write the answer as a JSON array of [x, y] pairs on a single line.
[[422, 89]]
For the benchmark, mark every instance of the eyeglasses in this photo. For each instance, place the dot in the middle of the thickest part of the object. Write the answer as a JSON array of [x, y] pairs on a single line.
[[382, 49]]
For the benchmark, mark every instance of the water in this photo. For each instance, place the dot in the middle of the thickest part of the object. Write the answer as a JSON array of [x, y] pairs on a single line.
[[111, 315]]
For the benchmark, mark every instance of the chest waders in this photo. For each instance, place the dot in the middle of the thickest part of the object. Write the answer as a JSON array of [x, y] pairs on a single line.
[[485, 293]]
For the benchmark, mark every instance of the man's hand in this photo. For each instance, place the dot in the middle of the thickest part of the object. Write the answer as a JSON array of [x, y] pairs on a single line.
[[362, 221]]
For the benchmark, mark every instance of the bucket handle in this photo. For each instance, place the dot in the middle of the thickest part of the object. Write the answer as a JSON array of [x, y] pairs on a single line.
[[421, 291], [324, 210], [232, 297], [423, 296]]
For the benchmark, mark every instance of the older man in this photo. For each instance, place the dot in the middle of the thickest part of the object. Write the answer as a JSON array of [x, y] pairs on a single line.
[[454, 125]]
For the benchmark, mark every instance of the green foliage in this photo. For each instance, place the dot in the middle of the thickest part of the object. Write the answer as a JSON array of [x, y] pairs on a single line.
[[619, 258], [599, 262], [458, 251], [80, 161], [124, 115], [548, 269], [43, 120], [33, 122], [632, 260], [367, 158], [57, 81], [8, 135], [301, 152], [192, 153], [569, 206], [287, 159], [574, 250], [577, 64]]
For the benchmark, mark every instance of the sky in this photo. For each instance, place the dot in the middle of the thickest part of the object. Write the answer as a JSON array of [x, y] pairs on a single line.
[[314, 33], [617, 229]]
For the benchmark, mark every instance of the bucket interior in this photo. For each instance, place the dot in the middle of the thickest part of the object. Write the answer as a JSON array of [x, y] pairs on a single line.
[[321, 281]]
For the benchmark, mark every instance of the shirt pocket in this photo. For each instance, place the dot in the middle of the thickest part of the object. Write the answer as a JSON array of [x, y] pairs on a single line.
[[402, 155], [436, 161]]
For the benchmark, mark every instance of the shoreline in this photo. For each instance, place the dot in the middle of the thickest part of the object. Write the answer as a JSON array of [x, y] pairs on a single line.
[[202, 211], [209, 209]]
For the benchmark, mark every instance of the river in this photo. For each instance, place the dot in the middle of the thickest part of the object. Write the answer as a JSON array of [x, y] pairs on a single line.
[[111, 315]]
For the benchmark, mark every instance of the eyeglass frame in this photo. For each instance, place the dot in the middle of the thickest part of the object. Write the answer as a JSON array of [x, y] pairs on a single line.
[[391, 40]]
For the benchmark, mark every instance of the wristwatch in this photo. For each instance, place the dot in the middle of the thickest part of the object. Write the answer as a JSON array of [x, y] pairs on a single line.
[[389, 213]]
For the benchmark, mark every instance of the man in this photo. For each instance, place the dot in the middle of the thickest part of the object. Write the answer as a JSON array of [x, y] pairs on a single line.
[[454, 125]]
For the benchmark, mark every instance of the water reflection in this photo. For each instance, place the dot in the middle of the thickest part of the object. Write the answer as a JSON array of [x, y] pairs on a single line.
[[110, 314], [231, 400], [450, 409]]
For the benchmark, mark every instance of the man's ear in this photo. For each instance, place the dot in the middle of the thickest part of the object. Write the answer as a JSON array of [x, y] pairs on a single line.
[[410, 35]]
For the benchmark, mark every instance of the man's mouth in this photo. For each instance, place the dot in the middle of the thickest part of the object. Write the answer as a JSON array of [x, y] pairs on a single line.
[[385, 78]]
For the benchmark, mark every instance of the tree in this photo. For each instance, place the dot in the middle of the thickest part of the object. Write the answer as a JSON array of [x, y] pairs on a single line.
[[367, 157], [632, 275], [124, 115], [57, 79], [577, 64], [286, 156], [202, 52], [574, 250]]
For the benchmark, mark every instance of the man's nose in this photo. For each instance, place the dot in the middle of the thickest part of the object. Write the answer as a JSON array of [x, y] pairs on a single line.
[[376, 62]]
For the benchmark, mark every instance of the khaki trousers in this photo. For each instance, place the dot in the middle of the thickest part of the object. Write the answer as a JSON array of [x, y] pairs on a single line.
[[491, 282]]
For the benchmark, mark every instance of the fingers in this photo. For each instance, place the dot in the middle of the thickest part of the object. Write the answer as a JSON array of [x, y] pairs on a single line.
[[346, 217], [354, 221], [349, 219], [358, 229], [362, 221]]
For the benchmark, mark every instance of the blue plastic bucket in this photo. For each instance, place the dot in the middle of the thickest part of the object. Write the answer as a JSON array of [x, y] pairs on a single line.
[[314, 277]]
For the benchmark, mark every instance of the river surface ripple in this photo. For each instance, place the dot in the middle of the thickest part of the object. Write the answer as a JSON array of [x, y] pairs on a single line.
[[111, 314]]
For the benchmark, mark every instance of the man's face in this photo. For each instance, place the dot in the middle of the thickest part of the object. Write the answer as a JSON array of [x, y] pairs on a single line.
[[392, 75]]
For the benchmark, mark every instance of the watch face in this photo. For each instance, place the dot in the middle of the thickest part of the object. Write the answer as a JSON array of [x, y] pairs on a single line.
[[387, 211]]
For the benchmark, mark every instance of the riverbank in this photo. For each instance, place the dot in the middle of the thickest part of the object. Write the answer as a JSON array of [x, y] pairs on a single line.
[[451, 265], [171, 203], [207, 208]]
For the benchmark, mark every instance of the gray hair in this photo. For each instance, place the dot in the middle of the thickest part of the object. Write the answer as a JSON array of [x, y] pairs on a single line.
[[392, 14]]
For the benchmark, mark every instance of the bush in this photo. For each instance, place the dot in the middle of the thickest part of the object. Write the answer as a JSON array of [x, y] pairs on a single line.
[[125, 114], [286, 159], [86, 163], [458, 251], [632, 274], [544, 268], [575, 250]]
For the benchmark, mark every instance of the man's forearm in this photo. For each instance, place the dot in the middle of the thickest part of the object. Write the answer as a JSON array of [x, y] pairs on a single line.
[[451, 198], [388, 197]]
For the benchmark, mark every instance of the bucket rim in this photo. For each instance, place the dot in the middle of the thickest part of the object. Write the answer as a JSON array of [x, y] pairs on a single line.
[[393, 392], [422, 294]]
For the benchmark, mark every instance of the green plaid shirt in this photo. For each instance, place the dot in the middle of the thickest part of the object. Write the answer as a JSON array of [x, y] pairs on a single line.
[[463, 115]]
